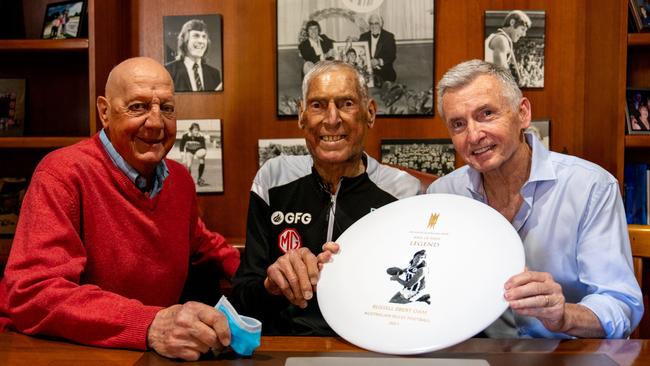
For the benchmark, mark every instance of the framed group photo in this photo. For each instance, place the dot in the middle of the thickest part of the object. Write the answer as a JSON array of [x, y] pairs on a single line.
[[270, 148], [390, 42], [433, 156], [637, 109], [198, 147], [193, 52], [515, 39], [63, 20]]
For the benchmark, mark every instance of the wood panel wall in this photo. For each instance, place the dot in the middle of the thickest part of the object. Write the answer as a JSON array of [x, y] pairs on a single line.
[[247, 104]]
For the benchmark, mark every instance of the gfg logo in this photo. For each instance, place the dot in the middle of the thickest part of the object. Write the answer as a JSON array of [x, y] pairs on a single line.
[[278, 217]]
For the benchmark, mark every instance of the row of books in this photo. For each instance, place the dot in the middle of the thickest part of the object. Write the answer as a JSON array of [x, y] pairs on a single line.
[[637, 193]]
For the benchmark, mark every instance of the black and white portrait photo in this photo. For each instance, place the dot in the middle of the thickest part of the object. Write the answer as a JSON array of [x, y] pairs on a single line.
[[412, 279], [390, 41], [436, 156], [542, 130], [198, 147], [270, 148], [637, 111], [193, 53], [514, 39]]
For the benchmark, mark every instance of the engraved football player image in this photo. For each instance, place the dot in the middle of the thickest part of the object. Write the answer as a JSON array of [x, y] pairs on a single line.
[[413, 281]]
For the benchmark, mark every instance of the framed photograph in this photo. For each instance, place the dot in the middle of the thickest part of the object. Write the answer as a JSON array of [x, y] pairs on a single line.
[[637, 108], [515, 40], [63, 20], [640, 14], [12, 191], [541, 129], [270, 148], [436, 156], [12, 107], [392, 41], [356, 54], [198, 147], [193, 52]]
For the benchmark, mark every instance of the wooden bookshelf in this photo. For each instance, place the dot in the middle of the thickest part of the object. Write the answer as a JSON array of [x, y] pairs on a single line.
[[43, 45]]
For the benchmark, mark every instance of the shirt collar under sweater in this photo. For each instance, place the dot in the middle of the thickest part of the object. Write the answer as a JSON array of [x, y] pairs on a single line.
[[160, 175]]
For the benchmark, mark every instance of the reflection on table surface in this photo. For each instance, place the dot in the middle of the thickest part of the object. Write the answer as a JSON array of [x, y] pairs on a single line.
[[18, 349]]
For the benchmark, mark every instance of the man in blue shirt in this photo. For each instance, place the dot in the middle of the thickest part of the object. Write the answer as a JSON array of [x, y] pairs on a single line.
[[568, 212]]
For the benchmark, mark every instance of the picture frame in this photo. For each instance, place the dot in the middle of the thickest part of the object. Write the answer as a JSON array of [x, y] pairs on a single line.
[[356, 54], [12, 107], [199, 39], [433, 156], [526, 62], [637, 111], [402, 82], [542, 129], [203, 148], [270, 148], [640, 14], [12, 192], [64, 19]]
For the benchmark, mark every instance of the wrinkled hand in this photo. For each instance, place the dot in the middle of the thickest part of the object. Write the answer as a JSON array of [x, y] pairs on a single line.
[[187, 331], [330, 248], [537, 294], [293, 275]]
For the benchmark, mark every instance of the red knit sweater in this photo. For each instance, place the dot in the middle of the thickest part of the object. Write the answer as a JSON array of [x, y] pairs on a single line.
[[93, 259]]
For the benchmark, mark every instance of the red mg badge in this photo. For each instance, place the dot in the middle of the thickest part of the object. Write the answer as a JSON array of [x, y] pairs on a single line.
[[289, 239]]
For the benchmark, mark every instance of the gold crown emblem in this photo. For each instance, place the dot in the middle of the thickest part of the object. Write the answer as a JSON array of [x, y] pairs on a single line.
[[433, 220]]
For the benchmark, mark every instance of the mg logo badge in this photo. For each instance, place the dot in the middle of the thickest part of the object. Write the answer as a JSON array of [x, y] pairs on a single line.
[[289, 239]]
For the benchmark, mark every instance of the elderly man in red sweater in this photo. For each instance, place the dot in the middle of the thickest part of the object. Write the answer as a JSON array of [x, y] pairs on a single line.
[[109, 232]]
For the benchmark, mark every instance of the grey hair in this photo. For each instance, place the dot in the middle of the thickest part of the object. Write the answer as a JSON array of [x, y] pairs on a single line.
[[464, 73], [378, 17], [330, 65]]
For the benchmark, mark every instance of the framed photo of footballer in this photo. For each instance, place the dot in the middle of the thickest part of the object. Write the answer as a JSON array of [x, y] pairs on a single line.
[[433, 156], [390, 41], [12, 107], [193, 52], [637, 111], [270, 148], [198, 147], [63, 20], [515, 39]]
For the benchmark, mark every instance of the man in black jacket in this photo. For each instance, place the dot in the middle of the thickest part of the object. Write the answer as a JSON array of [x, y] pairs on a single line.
[[382, 50], [297, 203]]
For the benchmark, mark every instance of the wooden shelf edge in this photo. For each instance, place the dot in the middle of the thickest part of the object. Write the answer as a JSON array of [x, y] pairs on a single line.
[[38, 142], [637, 141], [639, 240], [73, 44], [638, 39]]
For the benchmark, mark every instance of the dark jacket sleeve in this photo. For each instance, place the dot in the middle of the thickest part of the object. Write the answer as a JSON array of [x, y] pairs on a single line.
[[249, 295]]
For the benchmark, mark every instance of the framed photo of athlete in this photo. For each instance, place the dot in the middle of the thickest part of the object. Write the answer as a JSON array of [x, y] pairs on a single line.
[[270, 148], [433, 156], [541, 129], [637, 109], [198, 147], [63, 19], [390, 41], [515, 39], [12, 107], [640, 14], [193, 52]]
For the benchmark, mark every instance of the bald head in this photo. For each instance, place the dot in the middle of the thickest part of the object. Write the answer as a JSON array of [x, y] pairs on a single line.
[[132, 70]]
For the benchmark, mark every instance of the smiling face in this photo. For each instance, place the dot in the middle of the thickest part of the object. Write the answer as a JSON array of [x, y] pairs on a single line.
[[482, 124], [138, 113], [519, 31], [374, 22], [335, 120], [197, 44]]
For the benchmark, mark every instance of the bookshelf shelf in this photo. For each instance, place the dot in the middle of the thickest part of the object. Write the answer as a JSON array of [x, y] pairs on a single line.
[[637, 141]]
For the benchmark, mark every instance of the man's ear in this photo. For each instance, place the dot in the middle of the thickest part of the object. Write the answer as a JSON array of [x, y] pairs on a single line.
[[301, 109], [102, 110], [372, 112], [525, 113]]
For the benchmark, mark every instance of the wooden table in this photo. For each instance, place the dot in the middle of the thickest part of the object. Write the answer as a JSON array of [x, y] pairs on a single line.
[[18, 349]]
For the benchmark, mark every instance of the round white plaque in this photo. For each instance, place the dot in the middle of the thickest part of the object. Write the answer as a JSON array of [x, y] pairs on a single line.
[[420, 274]]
